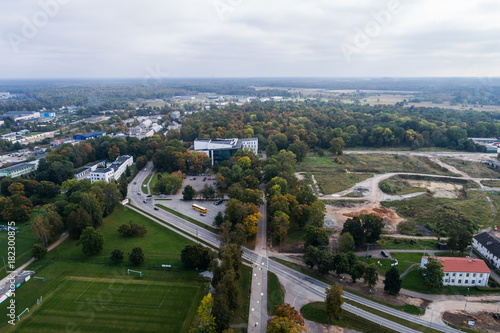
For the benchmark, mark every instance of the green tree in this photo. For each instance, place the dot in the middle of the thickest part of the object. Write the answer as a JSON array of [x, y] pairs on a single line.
[[136, 257], [188, 193], [317, 213], [459, 240], [316, 237], [355, 228], [393, 281], [123, 186], [116, 256], [340, 263], [196, 256], [41, 229], [333, 301], [208, 192], [219, 219], [346, 242], [372, 225], [92, 207], [337, 146], [370, 276], [78, 220], [92, 242], [38, 251], [433, 274], [357, 271]]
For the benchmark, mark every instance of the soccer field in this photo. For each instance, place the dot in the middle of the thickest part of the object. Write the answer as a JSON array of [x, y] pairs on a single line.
[[114, 305]]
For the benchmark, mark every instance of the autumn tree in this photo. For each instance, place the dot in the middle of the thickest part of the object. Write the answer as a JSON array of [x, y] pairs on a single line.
[[333, 301], [286, 319], [204, 321]]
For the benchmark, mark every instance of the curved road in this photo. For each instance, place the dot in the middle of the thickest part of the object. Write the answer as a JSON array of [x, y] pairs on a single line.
[[301, 281]]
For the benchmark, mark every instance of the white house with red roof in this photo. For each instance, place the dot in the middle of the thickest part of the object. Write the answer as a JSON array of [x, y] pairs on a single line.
[[464, 272]]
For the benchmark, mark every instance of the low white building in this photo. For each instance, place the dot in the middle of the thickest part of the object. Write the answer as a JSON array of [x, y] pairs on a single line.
[[463, 272], [101, 174], [488, 246], [175, 115], [224, 149]]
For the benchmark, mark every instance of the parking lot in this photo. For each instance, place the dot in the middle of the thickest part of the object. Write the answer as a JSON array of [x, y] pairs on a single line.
[[185, 207]]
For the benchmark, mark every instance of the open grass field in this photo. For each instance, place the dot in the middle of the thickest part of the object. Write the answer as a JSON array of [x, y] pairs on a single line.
[[275, 294], [473, 169], [144, 185], [398, 186], [405, 260], [338, 173], [115, 306], [317, 312], [437, 213], [491, 183], [77, 288]]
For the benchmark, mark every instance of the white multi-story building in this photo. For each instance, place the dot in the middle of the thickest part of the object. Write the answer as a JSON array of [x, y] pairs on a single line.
[[488, 247], [464, 272], [113, 171], [224, 149]]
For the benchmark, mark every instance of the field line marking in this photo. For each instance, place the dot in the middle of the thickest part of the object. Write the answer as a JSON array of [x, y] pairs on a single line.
[[84, 292], [187, 315], [163, 299]]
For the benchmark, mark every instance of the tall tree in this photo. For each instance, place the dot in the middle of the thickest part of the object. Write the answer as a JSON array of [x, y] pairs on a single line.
[[92, 242], [393, 281], [317, 213], [136, 257], [204, 322], [346, 242], [334, 299], [433, 274], [357, 271]]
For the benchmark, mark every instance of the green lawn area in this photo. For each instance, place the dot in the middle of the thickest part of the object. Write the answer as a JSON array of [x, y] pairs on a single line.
[[244, 283], [154, 180], [144, 185], [79, 288], [317, 312], [294, 240], [436, 213], [275, 294], [405, 260], [398, 186]]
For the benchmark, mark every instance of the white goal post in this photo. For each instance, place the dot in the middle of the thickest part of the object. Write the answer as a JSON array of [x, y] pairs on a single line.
[[132, 271]]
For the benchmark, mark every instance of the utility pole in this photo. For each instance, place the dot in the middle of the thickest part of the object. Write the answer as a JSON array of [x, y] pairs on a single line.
[[466, 299]]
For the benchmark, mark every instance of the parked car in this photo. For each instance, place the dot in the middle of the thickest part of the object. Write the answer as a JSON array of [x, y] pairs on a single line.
[[138, 193], [135, 183], [204, 178], [384, 254], [156, 208], [145, 201], [149, 195], [203, 214]]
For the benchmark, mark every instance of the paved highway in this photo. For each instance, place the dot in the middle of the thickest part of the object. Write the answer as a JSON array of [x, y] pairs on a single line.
[[301, 280]]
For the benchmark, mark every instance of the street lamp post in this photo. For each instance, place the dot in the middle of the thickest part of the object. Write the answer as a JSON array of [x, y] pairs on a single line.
[[466, 297]]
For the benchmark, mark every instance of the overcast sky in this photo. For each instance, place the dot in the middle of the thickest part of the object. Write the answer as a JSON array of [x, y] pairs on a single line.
[[248, 38]]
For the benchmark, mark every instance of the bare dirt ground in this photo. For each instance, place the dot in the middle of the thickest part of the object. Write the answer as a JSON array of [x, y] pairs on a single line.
[[438, 189], [483, 321]]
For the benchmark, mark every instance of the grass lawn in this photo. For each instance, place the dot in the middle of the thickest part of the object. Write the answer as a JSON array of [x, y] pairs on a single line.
[[398, 186], [294, 241], [436, 213], [153, 183], [491, 183], [97, 297], [405, 260], [317, 312], [275, 294], [244, 283], [391, 243], [144, 185]]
